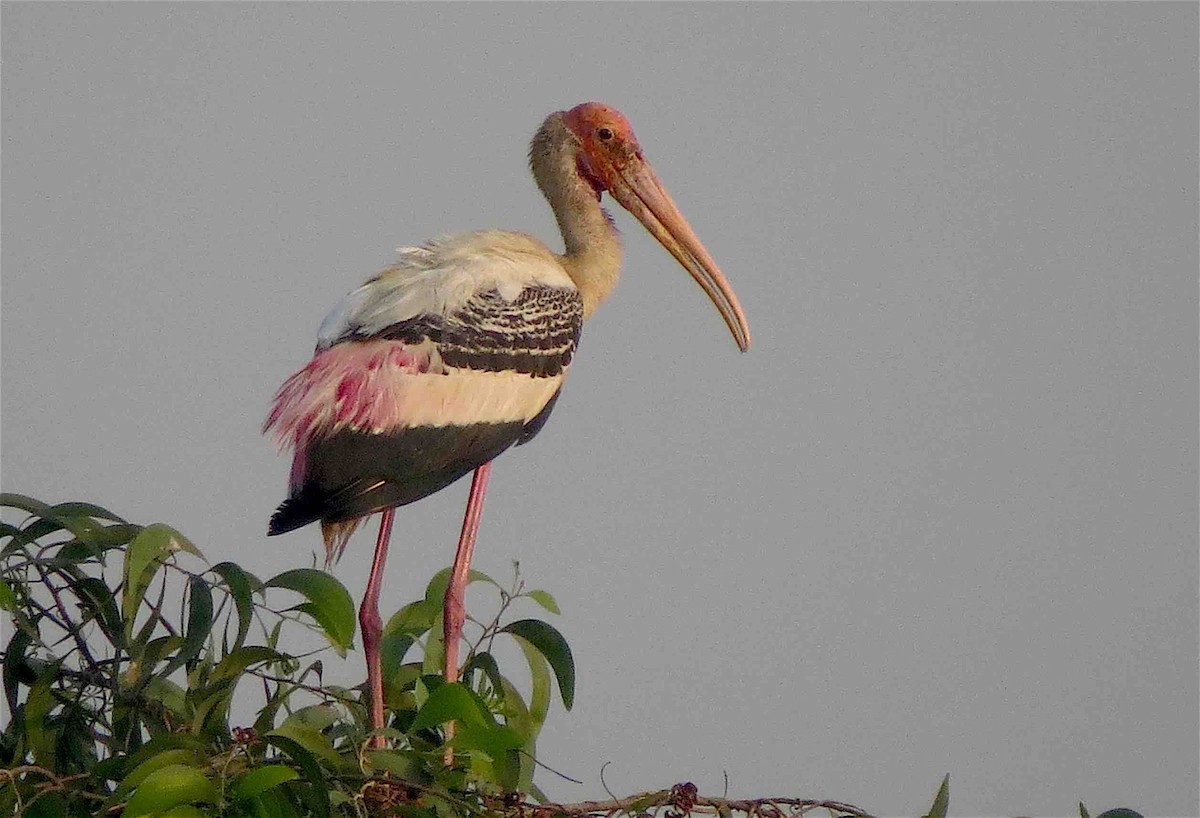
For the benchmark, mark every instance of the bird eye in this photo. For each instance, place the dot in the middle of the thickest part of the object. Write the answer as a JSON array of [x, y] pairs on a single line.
[[604, 134]]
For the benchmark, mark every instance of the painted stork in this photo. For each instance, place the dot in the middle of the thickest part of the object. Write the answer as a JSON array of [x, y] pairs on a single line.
[[459, 350]]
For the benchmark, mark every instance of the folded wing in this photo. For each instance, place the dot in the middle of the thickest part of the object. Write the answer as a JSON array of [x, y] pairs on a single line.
[[424, 373]]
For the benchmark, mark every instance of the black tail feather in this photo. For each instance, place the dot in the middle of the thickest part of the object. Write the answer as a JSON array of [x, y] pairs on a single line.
[[352, 474], [295, 512]]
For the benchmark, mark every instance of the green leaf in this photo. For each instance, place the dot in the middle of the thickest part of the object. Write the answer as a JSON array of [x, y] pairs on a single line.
[[34, 507], [199, 624], [316, 797], [183, 811], [451, 702], [118, 768], [264, 722], [72, 517], [142, 557], [37, 709], [328, 603], [154, 621], [84, 510], [152, 653], [168, 694], [435, 591], [554, 647], [16, 666], [1083, 813], [51, 805], [392, 648], [117, 535], [316, 716], [8, 600], [98, 599], [398, 686], [487, 663], [279, 802], [402, 765], [544, 599], [12, 532], [170, 787], [209, 710], [172, 757], [539, 672], [1119, 812], [27, 536], [261, 779], [941, 802], [241, 587], [237, 661], [309, 738], [298, 753], [518, 717], [494, 739], [413, 619]]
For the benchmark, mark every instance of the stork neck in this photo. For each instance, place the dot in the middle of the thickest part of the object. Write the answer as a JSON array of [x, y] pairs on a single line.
[[593, 257], [593, 246]]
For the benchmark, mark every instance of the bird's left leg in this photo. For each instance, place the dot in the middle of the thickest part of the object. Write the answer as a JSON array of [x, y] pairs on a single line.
[[372, 626], [454, 610]]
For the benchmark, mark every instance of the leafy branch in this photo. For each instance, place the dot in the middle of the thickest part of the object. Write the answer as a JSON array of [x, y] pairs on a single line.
[[120, 699]]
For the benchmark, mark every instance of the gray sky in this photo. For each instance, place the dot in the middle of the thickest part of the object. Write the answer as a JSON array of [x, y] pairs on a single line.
[[941, 518]]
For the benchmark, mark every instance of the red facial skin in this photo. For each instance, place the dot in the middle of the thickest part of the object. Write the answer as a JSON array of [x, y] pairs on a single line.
[[606, 141]]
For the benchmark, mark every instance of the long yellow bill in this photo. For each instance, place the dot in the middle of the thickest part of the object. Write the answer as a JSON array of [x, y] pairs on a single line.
[[637, 187]]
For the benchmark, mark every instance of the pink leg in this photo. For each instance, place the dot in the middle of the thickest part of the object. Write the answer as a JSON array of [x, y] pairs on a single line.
[[454, 611], [372, 625]]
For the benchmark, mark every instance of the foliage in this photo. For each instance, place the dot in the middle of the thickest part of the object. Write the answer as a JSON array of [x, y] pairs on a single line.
[[129, 653], [129, 650]]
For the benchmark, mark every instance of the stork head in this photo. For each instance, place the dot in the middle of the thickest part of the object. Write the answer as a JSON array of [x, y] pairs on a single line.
[[609, 158]]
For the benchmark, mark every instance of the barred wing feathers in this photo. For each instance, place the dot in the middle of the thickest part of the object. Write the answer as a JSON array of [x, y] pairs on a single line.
[[424, 373]]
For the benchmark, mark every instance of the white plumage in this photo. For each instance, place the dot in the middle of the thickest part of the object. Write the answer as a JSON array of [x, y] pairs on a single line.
[[440, 277]]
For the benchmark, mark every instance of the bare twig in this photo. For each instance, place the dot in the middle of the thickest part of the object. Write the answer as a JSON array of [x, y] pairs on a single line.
[[681, 799], [156, 607], [53, 783], [70, 626], [316, 691]]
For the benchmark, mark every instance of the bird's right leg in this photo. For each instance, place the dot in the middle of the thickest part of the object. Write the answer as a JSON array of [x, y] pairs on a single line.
[[454, 611], [372, 626]]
